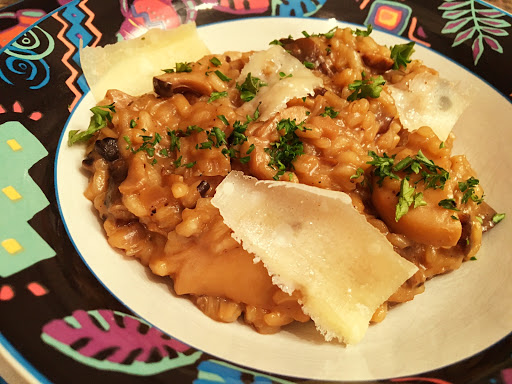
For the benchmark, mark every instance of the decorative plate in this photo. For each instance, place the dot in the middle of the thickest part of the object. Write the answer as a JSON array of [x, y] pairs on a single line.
[[73, 310]]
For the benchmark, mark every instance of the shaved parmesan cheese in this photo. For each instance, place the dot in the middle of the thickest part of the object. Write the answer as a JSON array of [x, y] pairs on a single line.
[[314, 241], [130, 65], [432, 101], [295, 80]]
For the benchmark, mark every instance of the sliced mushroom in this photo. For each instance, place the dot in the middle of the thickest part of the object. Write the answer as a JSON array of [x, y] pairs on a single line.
[[378, 61], [107, 148], [305, 49], [184, 82]]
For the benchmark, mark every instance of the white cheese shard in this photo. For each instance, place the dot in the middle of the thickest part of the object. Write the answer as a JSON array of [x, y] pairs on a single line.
[[432, 101], [286, 78], [313, 240], [130, 65]]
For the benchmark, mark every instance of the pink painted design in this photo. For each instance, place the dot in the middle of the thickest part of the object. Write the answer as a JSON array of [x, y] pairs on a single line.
[[421, 32], [506, 374], [16, 107], [420, 379], [145, 14], [35, 116], [452, 5], [477, 48], [238, 7], [411, 36], [37, 289], [6, 293], [125, 339], [489, 13]]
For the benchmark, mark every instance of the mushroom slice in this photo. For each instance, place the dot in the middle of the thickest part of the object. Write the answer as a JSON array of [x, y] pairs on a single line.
[[170, 83]]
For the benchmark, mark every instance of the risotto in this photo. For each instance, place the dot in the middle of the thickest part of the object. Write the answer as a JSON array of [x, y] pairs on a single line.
[[155, 161]]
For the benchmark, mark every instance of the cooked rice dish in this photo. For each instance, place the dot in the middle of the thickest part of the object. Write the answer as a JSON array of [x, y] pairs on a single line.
[[331, 121]]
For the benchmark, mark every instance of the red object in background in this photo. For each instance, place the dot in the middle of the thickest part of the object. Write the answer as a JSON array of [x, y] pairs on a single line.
[[25, 17]]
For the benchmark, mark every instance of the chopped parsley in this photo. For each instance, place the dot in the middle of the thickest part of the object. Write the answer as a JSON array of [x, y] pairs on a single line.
[[498, 217], [133, 123], [275, 42], [448, 204], [309, 64], [250, 87], [330, 112], [287, 149], [328, 35], [469, 191], [401, 54], [366, 87], [454, 217], [479, 219], [222, 76], [406, 198], [358, 174], [102, 114], [164, 152], [359, 32], [217, 95], [283, 75], [179, 67], [442, 145], [177, 163], [204, 145], [175, 140], [383, 166], [473, 258], [215, 61], [148, 144], [223, 119]]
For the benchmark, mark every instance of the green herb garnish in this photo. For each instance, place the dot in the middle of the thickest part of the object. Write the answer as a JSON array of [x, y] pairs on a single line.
[[283, 75], [383, 166], [309, 64], [406, 198], [448, 204], [133, 123], [217, 95], [222, 76], [498, 217], [358, 174], [359, 32], [275, 42], [366, 87], [215, 61], [401, 54], [102, 114], [469, 191], [287, 149], [223, 119], [179, 67], [250, 87], [329, 111]]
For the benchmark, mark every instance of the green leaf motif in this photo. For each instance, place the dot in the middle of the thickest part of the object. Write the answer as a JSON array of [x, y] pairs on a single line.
[[449, 5], [452, 15], [490, 13], [493, 44], [494, 23], [495, 31], [478, 49], [463, 36], [456, 25]]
